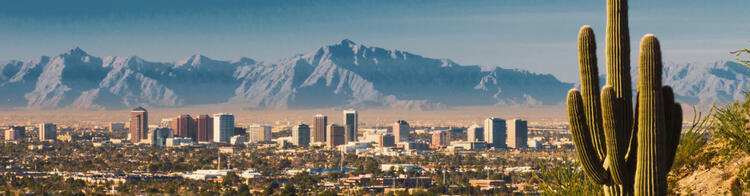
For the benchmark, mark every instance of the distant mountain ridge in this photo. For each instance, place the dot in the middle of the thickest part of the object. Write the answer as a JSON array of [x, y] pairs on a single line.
[[701, 84], [704, 83], [345, 74]]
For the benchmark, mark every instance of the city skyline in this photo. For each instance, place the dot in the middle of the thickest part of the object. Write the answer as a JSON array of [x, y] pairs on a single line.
[[387, 97]]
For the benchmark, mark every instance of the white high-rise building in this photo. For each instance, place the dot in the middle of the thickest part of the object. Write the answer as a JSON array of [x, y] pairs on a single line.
[[518, 131], [47, 131], [259, 133], [301, 135], [318, 132], [401, 131], [223, 127], [351, 118], [475, 133], [494, 132]]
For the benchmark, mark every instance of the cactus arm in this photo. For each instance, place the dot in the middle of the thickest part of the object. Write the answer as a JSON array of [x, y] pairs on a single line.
[[618, 49], [673, 139], [631, 156], [590, 88], [615, 150], [651, 123], [618, 67], [668, 103], [587, 155]]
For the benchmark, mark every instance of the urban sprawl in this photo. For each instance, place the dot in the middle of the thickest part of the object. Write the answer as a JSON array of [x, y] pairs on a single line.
[[211, 154]]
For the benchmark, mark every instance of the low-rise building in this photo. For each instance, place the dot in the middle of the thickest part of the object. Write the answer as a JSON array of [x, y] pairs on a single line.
[[179, 141], [396, 167], [486, 184], [207, 174], [353, 147], [466, 145], [406, 182], [238, 140]]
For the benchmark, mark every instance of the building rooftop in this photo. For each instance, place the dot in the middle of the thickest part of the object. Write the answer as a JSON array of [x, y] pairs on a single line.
[[139, 109]]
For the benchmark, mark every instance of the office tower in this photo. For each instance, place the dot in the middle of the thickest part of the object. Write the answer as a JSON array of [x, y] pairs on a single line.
[[185, 126], [517, 133], [138, 124], [441, 138], [319, 128], [47, 131], [205, 128], [158, 136], [259, 133], [401, 131], [336, 135], [494, 132], [351, 120], [15, 133], [116, 127], [301, 135], [475, 133], [223, 127], [386, 140]]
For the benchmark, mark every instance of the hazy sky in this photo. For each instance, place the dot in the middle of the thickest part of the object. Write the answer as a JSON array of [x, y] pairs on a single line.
[[537, 35]]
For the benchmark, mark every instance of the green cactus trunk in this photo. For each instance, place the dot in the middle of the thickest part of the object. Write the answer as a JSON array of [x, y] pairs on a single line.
[[628, 153]]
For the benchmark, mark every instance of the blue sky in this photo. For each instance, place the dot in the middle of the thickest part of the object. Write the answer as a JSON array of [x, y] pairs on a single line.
[[539, 36]]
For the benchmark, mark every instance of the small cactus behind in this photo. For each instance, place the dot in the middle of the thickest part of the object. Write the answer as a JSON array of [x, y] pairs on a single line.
[[629, 153]]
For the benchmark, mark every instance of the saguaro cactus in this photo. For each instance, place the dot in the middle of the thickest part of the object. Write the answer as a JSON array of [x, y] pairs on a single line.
[[627, 153]]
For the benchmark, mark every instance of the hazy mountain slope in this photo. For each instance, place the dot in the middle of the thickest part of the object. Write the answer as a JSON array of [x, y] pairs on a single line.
[[18, 78], [701, 83], [350, 74], [704, 83], [64, 78], [345, 74]]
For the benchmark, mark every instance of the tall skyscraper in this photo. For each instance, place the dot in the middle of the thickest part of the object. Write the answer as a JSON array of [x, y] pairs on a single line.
[[301, 135], [441, 138], [15, 133], [475, 133], [336, 135], [47, 131], [319, 128], [138, 124], [401, 131], [518, 131], [351, 120], [223, 127], [205, 128], [158, 136], [185, 126], [494, 132], [259, 133]]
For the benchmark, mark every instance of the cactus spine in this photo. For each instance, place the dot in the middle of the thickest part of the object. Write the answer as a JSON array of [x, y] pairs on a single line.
[[626, 152]]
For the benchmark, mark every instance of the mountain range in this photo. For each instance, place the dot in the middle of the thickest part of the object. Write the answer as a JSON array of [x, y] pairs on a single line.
[[344, 74]]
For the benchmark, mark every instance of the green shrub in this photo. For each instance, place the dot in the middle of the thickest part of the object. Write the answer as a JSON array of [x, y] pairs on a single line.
[[565, 179], [731, 121], [692, 140]]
